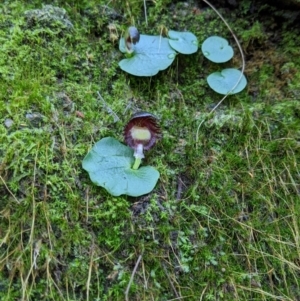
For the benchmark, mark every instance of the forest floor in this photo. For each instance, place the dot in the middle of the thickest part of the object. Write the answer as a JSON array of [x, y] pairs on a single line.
[[223, 222]]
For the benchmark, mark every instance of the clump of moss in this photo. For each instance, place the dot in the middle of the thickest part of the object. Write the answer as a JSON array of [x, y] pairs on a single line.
[[51, 17]]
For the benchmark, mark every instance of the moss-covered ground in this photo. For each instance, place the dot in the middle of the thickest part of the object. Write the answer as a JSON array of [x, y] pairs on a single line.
[[223, 222]]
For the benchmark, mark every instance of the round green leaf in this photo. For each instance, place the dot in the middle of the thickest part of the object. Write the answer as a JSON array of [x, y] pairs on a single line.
[[222, 82], [217, 49], [109, 165], [151, 55], [183, 42]]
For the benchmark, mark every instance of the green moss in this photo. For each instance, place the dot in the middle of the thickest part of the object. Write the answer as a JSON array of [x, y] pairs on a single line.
[[221, 224]]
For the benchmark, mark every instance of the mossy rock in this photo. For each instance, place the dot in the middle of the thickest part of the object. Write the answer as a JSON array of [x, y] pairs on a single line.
[[49, 17]]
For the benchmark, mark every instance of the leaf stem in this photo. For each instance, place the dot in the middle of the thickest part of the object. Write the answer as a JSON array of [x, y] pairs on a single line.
[[137, 163]]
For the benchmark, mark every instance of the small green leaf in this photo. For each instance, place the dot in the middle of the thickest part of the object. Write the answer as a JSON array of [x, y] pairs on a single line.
[[109, 165], [150, 55], [222, 82], [183, 42], [217, 50]]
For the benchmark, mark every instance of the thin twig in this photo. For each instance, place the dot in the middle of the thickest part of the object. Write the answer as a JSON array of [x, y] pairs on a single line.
[[32, 228], [203, 292], [179, 189], [132, 276], [144, 275], [171, 283], [145, 11], [14, 197], [107, 108], [36, 253], [88, 282], [87, 204]]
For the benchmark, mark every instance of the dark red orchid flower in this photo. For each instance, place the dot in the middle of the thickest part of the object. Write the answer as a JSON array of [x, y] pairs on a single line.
[[141, 133], [132, 37]]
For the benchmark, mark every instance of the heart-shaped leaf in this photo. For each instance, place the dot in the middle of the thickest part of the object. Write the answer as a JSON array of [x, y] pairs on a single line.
[[109, 165], [183, 42], [222, 82], [150, 55], [217, 49]]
